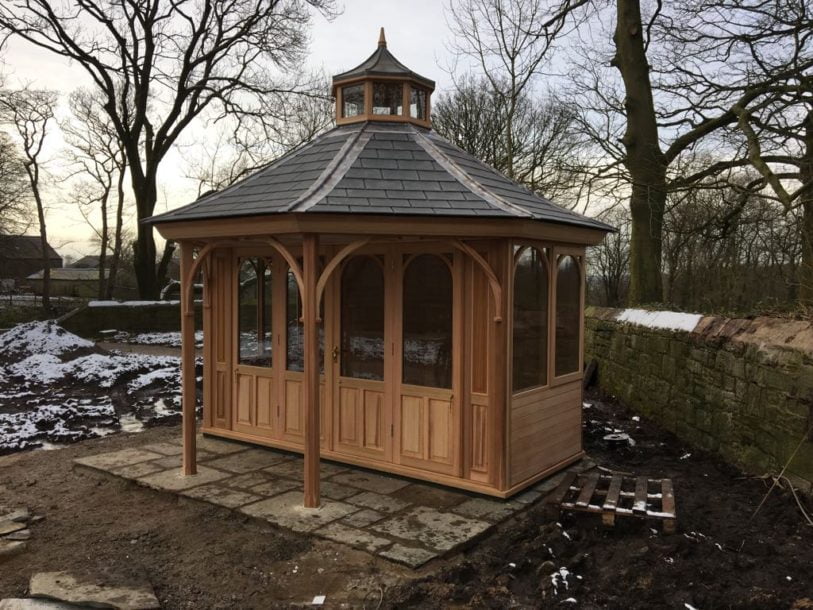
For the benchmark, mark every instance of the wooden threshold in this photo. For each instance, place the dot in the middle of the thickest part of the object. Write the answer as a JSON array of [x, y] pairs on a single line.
[[398, 469]]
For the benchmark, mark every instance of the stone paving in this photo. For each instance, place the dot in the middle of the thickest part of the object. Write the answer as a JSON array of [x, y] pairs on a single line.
[[392, 517]]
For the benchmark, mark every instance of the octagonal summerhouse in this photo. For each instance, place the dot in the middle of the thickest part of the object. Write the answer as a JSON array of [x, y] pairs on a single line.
[[380, 297]]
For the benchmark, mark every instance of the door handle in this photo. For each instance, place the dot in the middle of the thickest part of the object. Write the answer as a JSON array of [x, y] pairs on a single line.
[[335, 353]]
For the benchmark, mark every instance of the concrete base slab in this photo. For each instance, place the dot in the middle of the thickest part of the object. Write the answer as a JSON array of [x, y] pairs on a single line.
[[370, 482]]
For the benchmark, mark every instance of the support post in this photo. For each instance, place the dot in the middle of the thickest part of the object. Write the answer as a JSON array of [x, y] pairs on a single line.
[[310, 389], [188, 360]]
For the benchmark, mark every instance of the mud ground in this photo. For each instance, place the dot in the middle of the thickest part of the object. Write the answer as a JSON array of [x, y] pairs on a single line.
[[198, 556]]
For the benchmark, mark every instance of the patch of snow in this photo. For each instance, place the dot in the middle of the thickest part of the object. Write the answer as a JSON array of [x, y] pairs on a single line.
[[560, 577], [170, 339], [130, 303], [40, 338], [164, 374], [685, 456], [689, 606], [636, 418], [668, 320]]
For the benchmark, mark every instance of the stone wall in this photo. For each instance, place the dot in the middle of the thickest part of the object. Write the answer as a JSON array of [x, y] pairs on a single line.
[[134, 317], [740, 387]]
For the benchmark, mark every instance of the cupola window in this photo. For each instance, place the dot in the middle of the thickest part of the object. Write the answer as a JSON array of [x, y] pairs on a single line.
[[417, 103], [352, 100], [388, 98]]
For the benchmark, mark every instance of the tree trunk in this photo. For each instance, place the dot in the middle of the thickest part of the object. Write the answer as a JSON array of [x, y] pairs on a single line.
[[117, 236], [32, 170], [145, 192], [806, 174], [103, 250], [644, 159]]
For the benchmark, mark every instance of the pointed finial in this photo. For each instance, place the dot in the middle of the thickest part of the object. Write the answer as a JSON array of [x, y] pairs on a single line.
[[382, 40]]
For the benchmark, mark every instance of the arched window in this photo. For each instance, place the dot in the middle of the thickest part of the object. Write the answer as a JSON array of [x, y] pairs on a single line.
[[427, 322], [254, 312], [295, 335], [568, 316], [530, 334], [362, 321]]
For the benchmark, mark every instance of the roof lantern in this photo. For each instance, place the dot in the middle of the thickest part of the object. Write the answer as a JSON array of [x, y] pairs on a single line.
[[381, 88]]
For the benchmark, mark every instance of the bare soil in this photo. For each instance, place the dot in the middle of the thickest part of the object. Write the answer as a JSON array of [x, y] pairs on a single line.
[[200, 556]]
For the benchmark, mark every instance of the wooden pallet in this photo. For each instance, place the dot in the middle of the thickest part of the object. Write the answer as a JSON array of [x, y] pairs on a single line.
[[616, 495]]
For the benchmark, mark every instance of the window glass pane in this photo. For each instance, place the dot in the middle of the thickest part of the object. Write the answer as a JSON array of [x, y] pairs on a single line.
[[352, 100], [362, 324], [568, 316], [530, 347], [417, 103], [295, 355], [427, 323], [254, 313], [387, 98]]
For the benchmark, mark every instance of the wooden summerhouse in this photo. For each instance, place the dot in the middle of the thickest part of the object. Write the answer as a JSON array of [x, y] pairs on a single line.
[[382, 298]]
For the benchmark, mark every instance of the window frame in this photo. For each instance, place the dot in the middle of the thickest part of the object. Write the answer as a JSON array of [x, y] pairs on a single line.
[[450, 258], [547, 254], [578, 255]]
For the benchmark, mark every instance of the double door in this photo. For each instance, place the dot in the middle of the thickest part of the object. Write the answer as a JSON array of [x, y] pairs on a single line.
[[390, 339]]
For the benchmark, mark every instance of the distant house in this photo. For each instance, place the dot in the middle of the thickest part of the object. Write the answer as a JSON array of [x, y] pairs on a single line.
[[21, 255], [90, 261], [68, 282]]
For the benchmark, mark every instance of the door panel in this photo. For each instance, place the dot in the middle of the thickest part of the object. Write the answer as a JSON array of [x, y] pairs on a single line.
[[361, 360]]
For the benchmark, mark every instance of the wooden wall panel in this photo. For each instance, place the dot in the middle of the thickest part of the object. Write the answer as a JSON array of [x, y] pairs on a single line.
[[412, 427], [292, 423], [373, 424], [545, 429], [243, 402], [479, 450], [266, 403], [439, 431]]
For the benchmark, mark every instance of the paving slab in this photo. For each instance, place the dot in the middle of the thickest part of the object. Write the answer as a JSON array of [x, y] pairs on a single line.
[[430, 495], [336, 491], [136, 471], [363, 518], [174, 480], [18, 535], [412, 556], [378, 502], [176, 461], [116, 459], [370, 482], [33, 604], [98, 592], [222, 496], [164, 448], [248, 460], [8, 526], [217, 445], [287, 510], [11, 547], [484, 508], [274, 487], [438, 530], [354, 537]]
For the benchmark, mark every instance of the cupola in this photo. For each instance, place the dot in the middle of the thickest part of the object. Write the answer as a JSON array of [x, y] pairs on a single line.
[[381, 88]]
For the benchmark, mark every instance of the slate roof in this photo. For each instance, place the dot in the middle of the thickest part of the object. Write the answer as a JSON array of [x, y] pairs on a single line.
[[379, 168], [382, 63], [24, 247], [71, 274]]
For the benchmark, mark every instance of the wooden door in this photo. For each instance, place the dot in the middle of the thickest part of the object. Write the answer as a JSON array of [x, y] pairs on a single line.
[[361, 418], [428, 362]]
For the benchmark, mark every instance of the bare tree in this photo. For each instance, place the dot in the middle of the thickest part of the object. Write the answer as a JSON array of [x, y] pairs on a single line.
[[545, 152], [99, 163], [29, 113], [14, 188], [676, 101], [509, 41], [243, 146], [160, 65]]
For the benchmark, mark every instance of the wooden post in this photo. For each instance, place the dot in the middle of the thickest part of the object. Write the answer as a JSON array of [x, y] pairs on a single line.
[[188, 360], [310, 386]]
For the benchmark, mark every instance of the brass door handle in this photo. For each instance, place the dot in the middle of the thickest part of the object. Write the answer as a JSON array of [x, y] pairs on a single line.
[[335, 353]]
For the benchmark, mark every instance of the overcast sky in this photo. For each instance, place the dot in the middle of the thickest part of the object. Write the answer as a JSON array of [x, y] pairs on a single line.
[[416, 33]]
